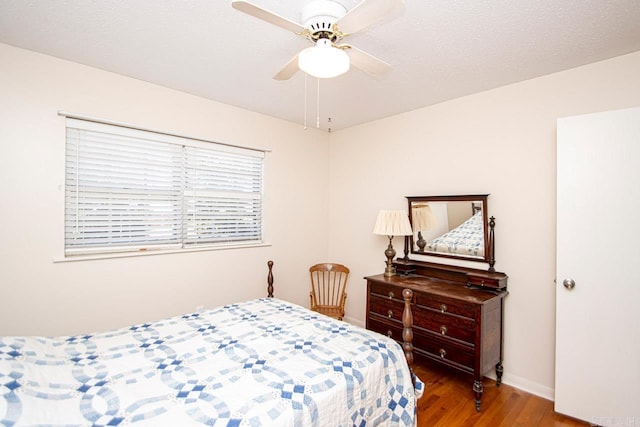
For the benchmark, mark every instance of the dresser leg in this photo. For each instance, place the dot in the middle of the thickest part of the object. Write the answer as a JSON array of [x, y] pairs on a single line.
[[477, 388], [499, 371]]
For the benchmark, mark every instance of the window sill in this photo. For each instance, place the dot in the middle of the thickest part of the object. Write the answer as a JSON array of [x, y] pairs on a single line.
[[75, 258]]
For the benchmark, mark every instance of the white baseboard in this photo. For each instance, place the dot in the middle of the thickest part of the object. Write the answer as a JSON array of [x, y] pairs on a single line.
[[527, 385]]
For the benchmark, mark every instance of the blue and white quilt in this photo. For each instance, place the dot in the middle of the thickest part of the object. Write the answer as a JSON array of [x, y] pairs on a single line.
[[263, 362], [466, 239]]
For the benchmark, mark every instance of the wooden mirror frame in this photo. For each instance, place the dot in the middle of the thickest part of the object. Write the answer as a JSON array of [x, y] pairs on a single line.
[[488, 229]]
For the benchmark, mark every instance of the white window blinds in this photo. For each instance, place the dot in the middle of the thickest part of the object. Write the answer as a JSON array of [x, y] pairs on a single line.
[[131, 190]]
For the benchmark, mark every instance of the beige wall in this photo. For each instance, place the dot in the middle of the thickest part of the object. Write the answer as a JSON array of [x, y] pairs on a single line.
[[38, 296], [503, 142], [500, 142]]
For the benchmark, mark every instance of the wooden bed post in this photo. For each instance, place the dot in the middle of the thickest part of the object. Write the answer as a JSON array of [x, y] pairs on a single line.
[[407, 328], [270, 280]]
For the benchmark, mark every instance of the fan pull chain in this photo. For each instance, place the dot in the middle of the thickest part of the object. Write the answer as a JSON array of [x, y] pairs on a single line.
[[306, 102]]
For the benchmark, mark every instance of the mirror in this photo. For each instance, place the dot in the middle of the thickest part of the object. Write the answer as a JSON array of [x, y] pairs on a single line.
[[451, 226]]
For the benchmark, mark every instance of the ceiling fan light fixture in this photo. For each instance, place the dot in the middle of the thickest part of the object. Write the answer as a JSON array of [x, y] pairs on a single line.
[[323, 60]]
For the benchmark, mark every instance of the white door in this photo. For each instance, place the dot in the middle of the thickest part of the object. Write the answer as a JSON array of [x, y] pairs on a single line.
[[598, 248]]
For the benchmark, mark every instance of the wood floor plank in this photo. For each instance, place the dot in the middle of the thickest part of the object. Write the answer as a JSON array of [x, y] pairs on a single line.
[[448, 401], [533, 412]]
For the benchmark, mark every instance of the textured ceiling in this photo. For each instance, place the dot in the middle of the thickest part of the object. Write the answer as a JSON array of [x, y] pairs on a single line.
[[439, 49]]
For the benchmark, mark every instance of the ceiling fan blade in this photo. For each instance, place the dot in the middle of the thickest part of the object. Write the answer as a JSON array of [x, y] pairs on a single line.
[[288, 70], [368, 63], [366, 13], [265, 15]]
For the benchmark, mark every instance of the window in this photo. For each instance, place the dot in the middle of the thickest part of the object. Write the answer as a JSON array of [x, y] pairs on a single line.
[[135, 190]]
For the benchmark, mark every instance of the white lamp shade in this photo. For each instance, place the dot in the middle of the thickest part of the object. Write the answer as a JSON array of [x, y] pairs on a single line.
[[422, 218], [323, 60], [392, 223]]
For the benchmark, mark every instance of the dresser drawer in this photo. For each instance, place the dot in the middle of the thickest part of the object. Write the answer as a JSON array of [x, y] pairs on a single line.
[[446, 351], [392, 329], [387, 291], [446, 325], [486, 282], [445, 305], [389, 308]]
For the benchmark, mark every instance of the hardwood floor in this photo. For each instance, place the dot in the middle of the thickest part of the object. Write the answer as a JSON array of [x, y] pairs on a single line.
[[449, 401]]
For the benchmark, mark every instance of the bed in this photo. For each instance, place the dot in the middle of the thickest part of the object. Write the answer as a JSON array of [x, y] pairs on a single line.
[[264, 362], [466, 239]]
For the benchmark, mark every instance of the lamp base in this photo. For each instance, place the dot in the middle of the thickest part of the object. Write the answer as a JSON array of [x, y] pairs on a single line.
[[390, 270], [421, 242]]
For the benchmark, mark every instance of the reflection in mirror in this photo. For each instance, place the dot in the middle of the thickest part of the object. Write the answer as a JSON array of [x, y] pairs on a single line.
[[450, 226], [423, 220]]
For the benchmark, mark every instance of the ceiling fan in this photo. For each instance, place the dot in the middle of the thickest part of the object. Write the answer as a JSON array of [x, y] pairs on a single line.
[[325, 23]]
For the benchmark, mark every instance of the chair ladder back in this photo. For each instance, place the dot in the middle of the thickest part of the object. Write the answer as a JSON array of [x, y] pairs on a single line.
[[328, 285]]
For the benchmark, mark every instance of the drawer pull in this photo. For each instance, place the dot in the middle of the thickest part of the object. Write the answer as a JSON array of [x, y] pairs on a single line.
[[443, 308], [389, 333], [390, 314], [443, 330], [391, 295], [443, 353]]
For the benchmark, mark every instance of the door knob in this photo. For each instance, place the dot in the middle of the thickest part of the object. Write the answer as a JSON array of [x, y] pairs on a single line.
[[569, 283]]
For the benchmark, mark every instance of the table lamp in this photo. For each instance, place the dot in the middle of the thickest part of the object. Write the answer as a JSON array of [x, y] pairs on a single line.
[[392, 223]]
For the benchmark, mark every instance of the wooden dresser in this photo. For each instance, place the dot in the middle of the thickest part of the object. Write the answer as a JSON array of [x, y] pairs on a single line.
[[457, 315]]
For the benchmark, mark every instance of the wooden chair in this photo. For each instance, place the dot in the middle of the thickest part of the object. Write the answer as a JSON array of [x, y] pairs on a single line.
[[328, 289]]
